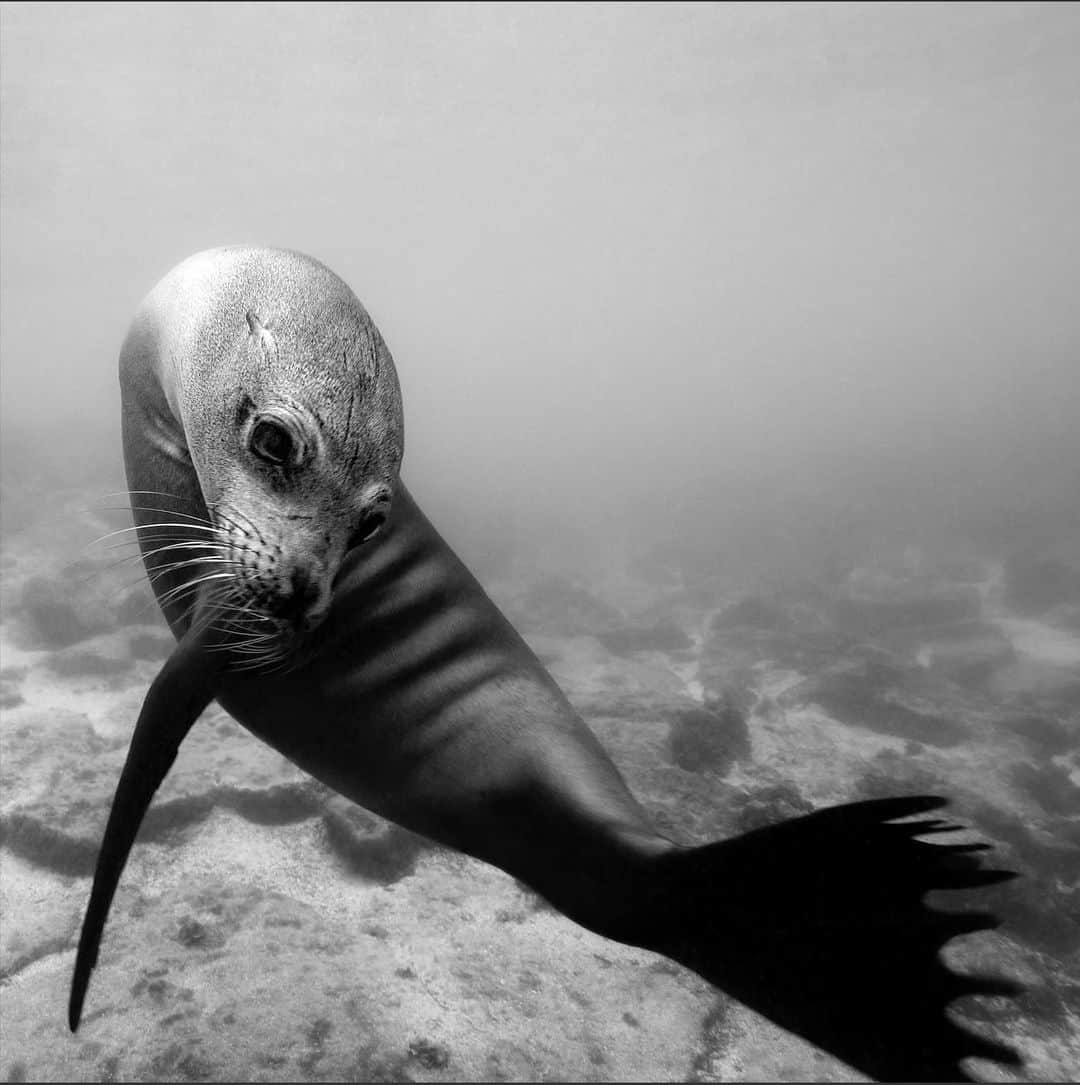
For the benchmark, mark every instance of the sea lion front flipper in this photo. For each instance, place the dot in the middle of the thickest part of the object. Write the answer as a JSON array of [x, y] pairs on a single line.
[[819, 924], [184, 686]]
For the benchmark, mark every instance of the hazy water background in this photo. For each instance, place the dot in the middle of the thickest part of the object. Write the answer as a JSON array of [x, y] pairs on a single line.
[[636, 250], [689, 303]]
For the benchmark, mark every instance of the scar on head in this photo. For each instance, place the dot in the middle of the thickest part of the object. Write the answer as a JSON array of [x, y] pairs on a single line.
[[259, 330]]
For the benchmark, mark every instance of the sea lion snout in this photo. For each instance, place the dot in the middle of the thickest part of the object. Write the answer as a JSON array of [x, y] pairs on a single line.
[[277, 573], [302, 601]]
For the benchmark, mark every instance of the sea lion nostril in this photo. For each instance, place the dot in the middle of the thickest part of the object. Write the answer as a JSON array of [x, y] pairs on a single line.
[[293, 604], [301, 583], [369, 526]]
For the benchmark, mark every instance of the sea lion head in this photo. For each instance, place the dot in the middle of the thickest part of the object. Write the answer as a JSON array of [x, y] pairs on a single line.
[[297, 441]]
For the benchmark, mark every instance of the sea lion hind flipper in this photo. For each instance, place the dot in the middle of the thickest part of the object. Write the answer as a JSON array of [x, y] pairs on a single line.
[[175, 700], [819, 924]]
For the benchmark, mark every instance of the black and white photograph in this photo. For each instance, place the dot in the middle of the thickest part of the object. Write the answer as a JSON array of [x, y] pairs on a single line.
[[539, 542]]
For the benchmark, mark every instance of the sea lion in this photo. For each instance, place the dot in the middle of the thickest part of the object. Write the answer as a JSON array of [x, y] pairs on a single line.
[[309, 594]]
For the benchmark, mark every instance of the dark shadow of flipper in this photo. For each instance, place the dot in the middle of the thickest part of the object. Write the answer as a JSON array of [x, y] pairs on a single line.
[[819, 923], [182, 689]]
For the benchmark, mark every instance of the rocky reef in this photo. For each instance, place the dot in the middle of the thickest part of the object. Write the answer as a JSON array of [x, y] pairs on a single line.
[[267, 929]]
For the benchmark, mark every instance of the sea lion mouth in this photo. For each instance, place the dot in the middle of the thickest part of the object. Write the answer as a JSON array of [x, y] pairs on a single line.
[[270, 594], [263, 627], [297, 603], [258, 642]]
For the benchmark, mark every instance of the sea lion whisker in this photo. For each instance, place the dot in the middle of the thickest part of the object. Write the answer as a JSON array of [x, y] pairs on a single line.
[[246, 607], [153, 525], [177, 541], [289, 661], [239, 529], [260, 664], [228, 513], [167, 512], [264, 647], [170, 567], [151, 532], [229, 614], [240, 647], [135, 544], [193, 522], [260, 648], [224, 623], [246, 635], [212, 555], [251, 645], [238, 619], [228, 606], [181, 589], [254, 659], [129, 585], [231, 511], [149, 559], [213, 532], [214, 551], [241, 616], [191, 584], [262, 642], [244, 638], [238, 626], [231, 518], [127, 559], [201, 623], [272, 667]]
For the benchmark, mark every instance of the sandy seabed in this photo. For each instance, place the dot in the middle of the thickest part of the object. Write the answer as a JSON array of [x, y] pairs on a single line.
[[265, 929]]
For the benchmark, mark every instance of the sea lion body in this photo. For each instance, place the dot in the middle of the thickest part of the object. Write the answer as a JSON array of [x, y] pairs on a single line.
[[377, 663], [414, 674], [463, 735]]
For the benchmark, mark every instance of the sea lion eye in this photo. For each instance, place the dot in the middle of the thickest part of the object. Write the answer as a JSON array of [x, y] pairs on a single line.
[[272, 442]]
